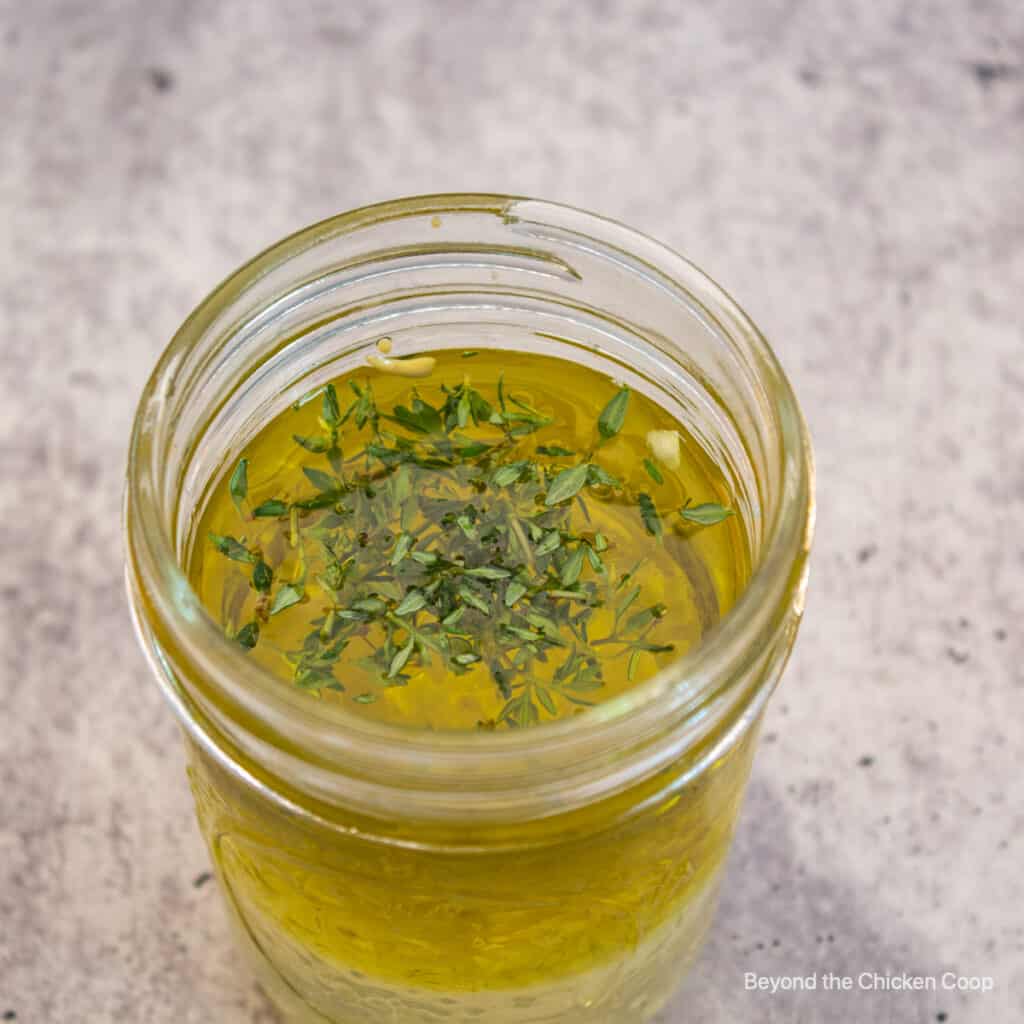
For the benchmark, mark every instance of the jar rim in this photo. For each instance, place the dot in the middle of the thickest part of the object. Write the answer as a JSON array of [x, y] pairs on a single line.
[[683, 689]]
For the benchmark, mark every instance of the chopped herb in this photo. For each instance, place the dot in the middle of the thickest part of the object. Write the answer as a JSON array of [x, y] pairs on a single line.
[[331, 411], [649, 514], [286, 596], [614, 415], [270, 509], [248, 635], [238, 486], [445, 535], [320, 480], [232, 548], [567, 484], [262, 577], [573, 566], [707, 514], [317, 444], [412, 602], [653, 472]]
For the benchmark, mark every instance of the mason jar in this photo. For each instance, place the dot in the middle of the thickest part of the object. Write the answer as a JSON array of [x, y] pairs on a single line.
[[563, 873]]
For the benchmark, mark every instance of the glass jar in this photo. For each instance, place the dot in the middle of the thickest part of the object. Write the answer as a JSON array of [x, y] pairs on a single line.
[[563, 873]]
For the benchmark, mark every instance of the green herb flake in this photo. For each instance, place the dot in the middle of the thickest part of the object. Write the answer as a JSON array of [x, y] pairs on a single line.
[[398, 662], [322, 481], [649, 515], [488, 572], [707, 514], [573, 566], [262, 577], [238, 486], [232, 548], [248, 635], [317, 444], [567, 484], [653, 472], [270, 509], [288, 595], [330, 410], [613, 415], [412, 602]]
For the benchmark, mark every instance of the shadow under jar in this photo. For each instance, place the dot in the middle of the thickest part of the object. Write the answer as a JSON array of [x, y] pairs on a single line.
[[560, 873]]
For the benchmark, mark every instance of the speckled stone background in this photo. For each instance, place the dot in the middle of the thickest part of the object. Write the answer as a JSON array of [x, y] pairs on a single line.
[[853, 171]]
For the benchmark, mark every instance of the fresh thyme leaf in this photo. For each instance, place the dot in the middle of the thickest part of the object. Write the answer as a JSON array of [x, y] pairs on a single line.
[[653, 472], [317, 444], [270, 509], [508, 474], [567, 484], [320, 480], [474, 600], [366, 698], [573, 566], [402, 547], [412, 602], [287, 595], [421, 418], [488, 572], [232, 548], [641, 620], [452, 619], [554, 450], [545, 698], [634, 661], [596, 476], [238, 486], [649, 514], [551, 542], [325, 499], [398, 662], [248, 635], [470, 353], [330, 411], [613, 415], [513, 592], [707, 514], [262, 577]]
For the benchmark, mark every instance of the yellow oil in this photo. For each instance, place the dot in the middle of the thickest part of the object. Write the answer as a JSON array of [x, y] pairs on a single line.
[[688, 575], [587, 916]]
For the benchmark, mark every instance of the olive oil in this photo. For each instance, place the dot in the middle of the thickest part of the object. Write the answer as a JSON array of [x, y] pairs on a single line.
[[472, 540], [469, 540]]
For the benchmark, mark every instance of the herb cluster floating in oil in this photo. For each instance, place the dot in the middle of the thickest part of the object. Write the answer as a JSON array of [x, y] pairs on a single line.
[[430, 541]]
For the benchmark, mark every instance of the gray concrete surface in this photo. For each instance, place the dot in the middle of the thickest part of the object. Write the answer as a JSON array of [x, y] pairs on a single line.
[[853, 171]]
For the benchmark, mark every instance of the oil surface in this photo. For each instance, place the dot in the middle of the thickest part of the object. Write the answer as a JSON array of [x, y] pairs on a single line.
[[393, 542]]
